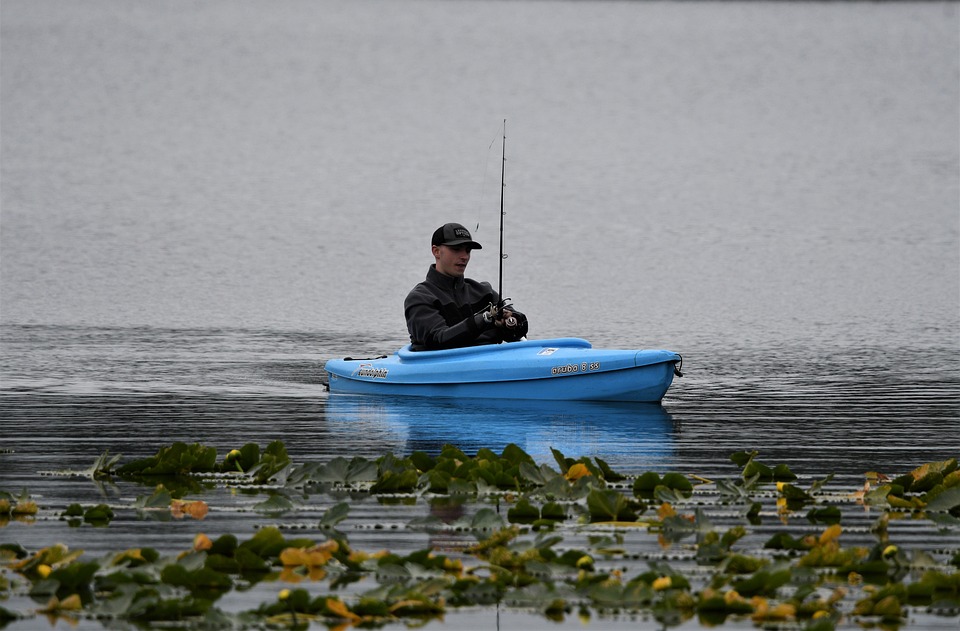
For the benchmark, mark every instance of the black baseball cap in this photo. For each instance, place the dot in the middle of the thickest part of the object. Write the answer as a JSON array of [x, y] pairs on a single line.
[[454, 234]]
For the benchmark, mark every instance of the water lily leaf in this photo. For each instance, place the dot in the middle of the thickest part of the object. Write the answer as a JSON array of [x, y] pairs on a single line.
[[677, 482], [160, 499], [487, 519], [176, 459], [343, 471], [741, 458], [436, 481], [99, 514], [944, 501], [755, 468], [784, 541], [103, 466], [536, 475], [609, 474], [267, 540], [818, 485], [671, 496], [791, 492], [523, 512], [645, 484], [249, 456], [516, 456], [74, 510], [334, 515], [273, 460], [764, 582], [678, 527], [562, 461], [782, 473], [200, 579], [422, 461], [553, 511], [276, 504], [610, 505], [827, 515], [396, 482], [730, 491]]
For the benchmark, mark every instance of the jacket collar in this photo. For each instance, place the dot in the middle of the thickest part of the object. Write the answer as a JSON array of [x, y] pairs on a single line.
[[442, 280]]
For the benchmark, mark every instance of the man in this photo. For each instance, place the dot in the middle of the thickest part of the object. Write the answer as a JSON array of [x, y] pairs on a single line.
[[449, 311]]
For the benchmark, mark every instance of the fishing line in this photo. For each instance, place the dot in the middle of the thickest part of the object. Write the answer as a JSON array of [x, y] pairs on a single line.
[[483, 182]]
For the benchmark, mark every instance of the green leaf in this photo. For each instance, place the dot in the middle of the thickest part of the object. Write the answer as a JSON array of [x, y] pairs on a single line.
[[523, 512], [741, 458], [945, 501], [334, 515], [782, 473], [610, 505], [486, 519], [422, 461], [276, 504], [826, 515], [394, 482], [516, 456], [562, 461], [99, 514], [677, 482], [609, 474], [645, 485], [177, 459], [160, 499]]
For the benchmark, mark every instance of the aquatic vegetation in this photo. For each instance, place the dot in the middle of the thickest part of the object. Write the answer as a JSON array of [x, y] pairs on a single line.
[[17, 506], [541, 538]]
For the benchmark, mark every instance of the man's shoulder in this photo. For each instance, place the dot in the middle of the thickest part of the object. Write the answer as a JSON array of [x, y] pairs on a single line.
[[420, 291]]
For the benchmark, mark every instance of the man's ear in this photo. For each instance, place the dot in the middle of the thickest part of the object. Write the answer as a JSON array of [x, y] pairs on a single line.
[[436, 251]]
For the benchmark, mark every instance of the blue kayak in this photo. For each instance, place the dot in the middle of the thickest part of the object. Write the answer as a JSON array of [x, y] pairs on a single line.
[[561, 369]]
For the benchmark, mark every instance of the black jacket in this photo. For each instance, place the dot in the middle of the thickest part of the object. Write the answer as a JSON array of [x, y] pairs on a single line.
[[447, 312]]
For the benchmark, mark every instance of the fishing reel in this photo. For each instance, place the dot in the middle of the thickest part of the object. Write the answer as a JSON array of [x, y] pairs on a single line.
[[494, 312]]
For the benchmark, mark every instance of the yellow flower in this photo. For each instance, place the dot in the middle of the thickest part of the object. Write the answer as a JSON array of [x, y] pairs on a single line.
[[662, 583], [202, 542], [284, 594], [44, 570], [577, 471]]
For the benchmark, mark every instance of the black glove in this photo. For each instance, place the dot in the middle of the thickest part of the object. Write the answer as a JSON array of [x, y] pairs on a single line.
[[514, 325]]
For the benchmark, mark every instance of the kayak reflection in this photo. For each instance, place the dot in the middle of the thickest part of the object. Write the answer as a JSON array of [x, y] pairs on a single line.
[[631, 435]]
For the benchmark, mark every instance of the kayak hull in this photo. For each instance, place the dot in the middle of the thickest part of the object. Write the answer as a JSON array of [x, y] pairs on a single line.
[[562, 369]]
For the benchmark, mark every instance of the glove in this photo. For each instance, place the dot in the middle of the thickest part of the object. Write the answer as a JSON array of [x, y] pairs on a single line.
[[514, 324]]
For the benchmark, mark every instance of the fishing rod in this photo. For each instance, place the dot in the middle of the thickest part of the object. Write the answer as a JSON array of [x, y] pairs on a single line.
[[503, 163], [511, 321]]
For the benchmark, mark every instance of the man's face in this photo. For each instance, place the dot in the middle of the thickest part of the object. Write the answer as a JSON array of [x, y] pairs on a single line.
[[452, 260]]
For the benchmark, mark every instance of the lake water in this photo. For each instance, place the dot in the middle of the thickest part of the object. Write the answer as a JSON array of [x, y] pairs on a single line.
[[202, 203]]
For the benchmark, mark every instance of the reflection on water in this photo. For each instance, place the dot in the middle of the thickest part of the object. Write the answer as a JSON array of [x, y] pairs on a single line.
[[641, 434]]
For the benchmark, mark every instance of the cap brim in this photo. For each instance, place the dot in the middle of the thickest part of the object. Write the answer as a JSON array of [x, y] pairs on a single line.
[[472, 244]]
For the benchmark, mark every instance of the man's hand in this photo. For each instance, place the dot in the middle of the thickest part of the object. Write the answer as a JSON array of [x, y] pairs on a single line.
[[506, 319]]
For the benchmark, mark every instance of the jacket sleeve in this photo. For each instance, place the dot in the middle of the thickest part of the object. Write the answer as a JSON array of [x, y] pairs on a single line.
[[430, 331]]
